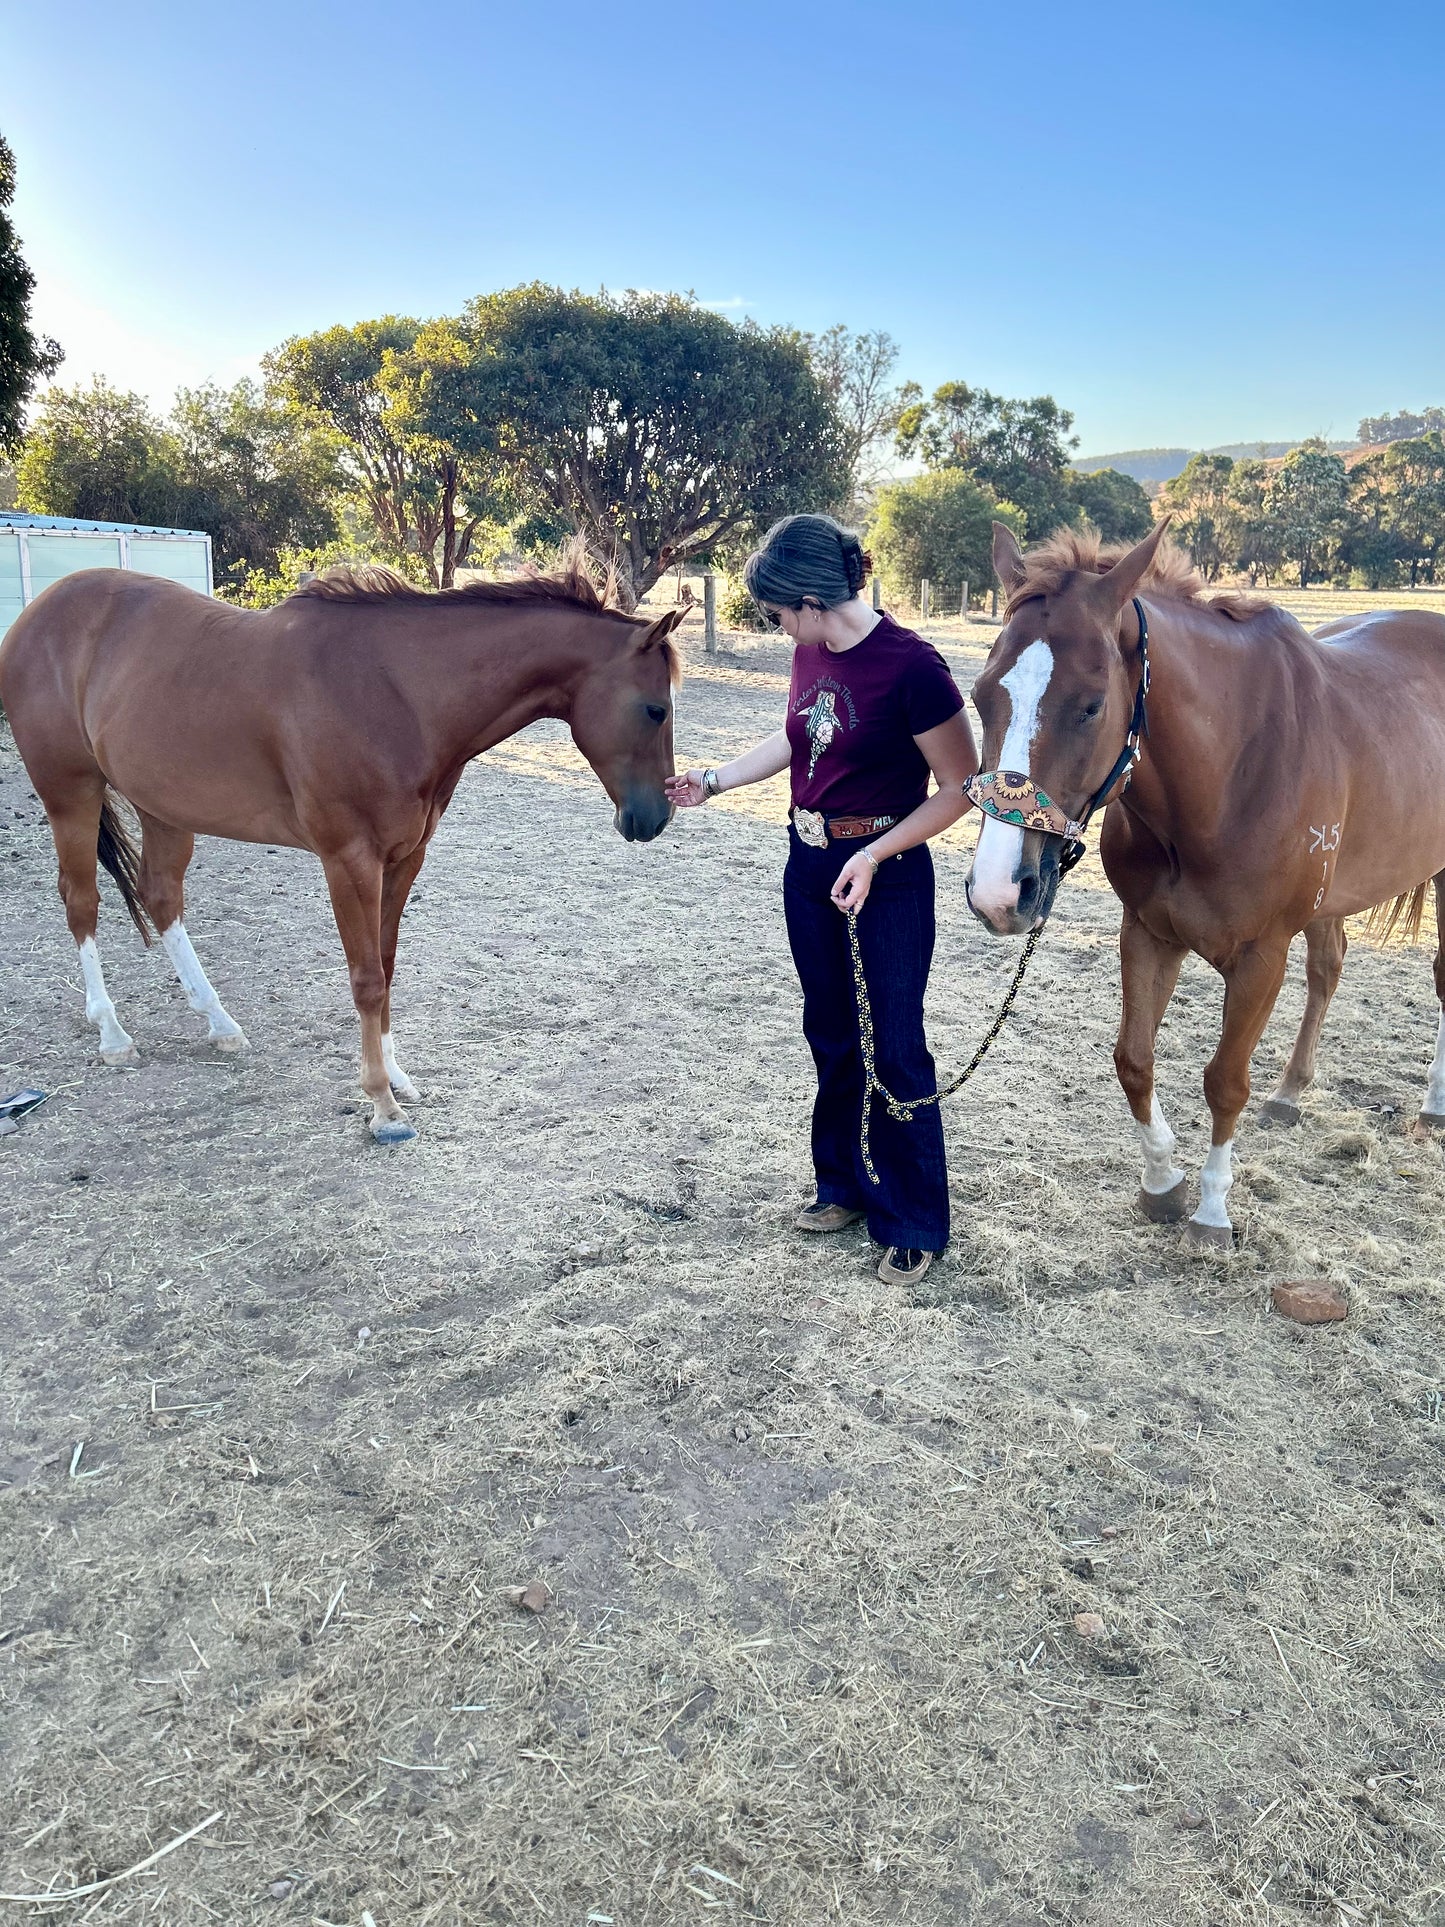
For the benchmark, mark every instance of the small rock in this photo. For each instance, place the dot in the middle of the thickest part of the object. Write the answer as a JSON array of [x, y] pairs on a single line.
[[1108, 1532], [535, 1598], [586, 1254], [741, 1434], [1192, 1819], [282, 1889], [1310, 1301], [1089, 1625]]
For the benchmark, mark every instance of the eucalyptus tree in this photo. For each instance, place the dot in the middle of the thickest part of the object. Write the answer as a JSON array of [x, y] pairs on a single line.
[[26, 358], [654, 426]]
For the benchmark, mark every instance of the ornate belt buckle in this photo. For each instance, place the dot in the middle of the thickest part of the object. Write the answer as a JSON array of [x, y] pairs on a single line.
[[812, 828]]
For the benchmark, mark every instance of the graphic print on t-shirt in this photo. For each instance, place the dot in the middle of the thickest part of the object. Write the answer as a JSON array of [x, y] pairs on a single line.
[[819, 708]]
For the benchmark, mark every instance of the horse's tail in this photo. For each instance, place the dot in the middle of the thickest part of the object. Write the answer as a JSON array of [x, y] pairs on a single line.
[[1402, 914], [118, 853]]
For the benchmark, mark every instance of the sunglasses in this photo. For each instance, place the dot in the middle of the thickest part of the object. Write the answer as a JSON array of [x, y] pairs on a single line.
[[774, 617]]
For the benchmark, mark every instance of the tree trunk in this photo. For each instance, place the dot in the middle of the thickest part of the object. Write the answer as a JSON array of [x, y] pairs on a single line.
[[449, 528]]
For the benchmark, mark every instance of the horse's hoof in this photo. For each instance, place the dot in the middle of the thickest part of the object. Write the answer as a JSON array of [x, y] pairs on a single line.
[[1165, 1207], [1283, 1110], [231, 1042], [1208, 1237], [1431, 1120], [393, 1130], [130, 1055]]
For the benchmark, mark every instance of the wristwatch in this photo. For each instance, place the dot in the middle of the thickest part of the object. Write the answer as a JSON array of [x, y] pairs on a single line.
[[710, 785]]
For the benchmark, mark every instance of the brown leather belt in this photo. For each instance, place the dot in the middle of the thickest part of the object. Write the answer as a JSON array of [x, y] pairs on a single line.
[[818, 830]]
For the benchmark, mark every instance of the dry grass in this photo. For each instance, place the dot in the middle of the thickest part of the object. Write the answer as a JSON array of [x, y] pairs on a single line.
[[816, 1549]]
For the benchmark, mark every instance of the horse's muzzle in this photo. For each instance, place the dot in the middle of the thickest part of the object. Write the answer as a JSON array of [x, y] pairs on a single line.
[[1035, 884], [640, 819]]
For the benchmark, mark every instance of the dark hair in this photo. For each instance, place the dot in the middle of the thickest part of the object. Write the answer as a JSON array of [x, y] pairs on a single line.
[[807, 555]]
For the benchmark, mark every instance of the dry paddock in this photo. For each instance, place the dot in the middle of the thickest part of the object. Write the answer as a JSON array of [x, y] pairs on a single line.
[[284, 1415]]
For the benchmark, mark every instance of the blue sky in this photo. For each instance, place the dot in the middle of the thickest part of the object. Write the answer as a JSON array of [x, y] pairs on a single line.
[[1189, 223]]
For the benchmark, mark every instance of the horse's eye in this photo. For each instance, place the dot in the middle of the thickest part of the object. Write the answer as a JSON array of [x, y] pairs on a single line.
[[656, 713], [1090, 711]]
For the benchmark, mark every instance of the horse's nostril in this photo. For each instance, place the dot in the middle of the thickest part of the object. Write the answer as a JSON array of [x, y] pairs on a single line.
[[1028, 894]]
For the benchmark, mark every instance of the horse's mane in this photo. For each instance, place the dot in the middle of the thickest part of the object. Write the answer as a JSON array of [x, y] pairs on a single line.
[[1171, 575], [572, 580]]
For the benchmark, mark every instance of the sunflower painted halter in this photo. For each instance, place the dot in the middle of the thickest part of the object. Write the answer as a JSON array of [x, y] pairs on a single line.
[[1012, 796]]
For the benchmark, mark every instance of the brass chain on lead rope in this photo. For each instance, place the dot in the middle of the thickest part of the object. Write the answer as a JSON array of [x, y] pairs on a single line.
[[903, 1108]]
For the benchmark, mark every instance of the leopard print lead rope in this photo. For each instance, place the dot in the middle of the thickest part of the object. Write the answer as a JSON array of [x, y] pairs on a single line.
[[903, 1108]]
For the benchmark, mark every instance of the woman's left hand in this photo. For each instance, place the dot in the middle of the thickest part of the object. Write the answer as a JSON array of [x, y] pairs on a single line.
[[855, 880]]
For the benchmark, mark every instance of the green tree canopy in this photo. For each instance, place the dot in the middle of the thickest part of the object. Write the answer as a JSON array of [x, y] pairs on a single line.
[[1376, 430], [1308, 499], [366, 383], [251, 475], [1205, 522], [225, 461], [1017, 449], [653, 425], [855, 372], [1115, 504], [1258, 539], [1406, 484], [98, 454], [26, 358], [937, 525]]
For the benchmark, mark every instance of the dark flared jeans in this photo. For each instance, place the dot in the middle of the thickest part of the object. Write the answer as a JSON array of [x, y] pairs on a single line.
[[908, 1206]]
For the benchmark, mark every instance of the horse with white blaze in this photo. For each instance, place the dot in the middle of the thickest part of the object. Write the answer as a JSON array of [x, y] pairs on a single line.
[[1269, 782]]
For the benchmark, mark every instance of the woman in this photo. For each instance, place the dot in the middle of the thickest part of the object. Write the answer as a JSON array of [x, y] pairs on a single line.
[[871, 711]]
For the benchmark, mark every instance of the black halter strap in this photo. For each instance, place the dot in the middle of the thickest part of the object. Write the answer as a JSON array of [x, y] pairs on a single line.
[[1128, 756]]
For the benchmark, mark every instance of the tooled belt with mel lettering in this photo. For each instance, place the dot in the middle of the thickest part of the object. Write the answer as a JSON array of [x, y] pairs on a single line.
[[818, 830]]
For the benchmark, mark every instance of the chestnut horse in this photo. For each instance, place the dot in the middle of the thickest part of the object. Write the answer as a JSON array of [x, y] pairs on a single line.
[[339, 721], [1285, 782]]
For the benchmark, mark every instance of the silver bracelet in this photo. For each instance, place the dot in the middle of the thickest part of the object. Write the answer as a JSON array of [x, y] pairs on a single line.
[[873, 860], [710, 783]]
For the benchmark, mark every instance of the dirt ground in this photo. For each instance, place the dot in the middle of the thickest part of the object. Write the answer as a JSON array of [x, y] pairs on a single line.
[[282, 1415]]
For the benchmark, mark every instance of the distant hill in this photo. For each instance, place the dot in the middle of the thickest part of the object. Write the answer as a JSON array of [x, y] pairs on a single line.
[[1158, 465]]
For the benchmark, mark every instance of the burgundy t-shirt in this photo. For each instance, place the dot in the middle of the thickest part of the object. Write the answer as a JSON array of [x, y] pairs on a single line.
[[852, 718]]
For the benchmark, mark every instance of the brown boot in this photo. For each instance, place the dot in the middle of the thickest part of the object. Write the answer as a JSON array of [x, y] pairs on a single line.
[[900, 1267], [825, 1217]]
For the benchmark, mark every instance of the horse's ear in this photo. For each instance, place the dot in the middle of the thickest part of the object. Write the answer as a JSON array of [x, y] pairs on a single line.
[[656, 632], [1113, 589], [1008, 557]]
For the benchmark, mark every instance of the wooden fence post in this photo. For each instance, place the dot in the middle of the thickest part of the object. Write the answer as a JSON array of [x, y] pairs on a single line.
[[877, 594], [993, 606], [925, 597], [709, 611], [963, 603]]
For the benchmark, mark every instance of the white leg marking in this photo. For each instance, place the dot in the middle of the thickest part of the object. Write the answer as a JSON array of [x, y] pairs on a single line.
[[396, 1076], [992, 885], [225, 1032], [1158, 1143], [1214, 1182], [115, 1046], [1434, 1105]]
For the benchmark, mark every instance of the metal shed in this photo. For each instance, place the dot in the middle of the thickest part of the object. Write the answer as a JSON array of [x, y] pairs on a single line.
[[36, 550]]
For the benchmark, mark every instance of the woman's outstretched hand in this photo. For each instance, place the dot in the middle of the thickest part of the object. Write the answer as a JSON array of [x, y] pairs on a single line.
[[685, 790], [854, 881]]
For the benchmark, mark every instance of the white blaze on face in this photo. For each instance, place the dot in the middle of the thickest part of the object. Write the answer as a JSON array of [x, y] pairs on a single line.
[[993, 885]]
